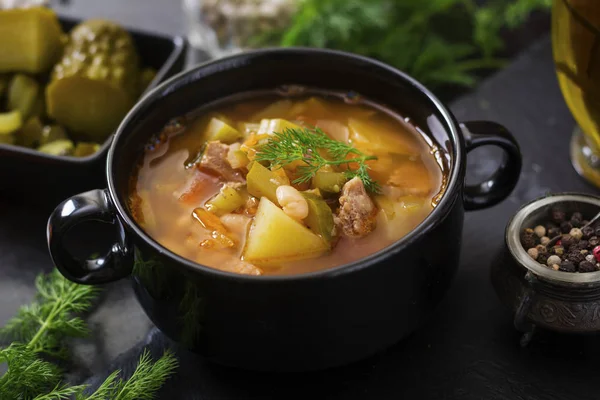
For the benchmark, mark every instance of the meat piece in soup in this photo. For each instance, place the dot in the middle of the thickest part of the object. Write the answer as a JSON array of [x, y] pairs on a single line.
[[356, 216], [285, 186]]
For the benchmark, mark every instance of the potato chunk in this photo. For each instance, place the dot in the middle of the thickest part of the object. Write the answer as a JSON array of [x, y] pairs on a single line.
[[276, 237], [277, 125]]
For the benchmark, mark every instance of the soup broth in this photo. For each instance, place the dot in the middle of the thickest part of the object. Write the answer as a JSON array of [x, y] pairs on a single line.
[[272, 185]]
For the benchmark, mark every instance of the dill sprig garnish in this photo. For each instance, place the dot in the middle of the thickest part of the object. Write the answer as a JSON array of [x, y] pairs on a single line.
[[42, 327], [308, 146]]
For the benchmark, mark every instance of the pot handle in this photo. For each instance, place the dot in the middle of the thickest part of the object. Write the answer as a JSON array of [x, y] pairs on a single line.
[[94, 205], [504, 180]]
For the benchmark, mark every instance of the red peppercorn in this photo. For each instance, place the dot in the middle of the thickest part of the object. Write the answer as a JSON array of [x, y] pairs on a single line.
[[596, 253]]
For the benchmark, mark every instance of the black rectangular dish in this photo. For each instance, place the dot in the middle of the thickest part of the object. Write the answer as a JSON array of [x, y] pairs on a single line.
[[29, 176]]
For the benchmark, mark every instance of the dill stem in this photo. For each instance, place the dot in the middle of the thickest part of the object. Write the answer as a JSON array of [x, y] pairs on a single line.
[[351, 160], [56, 309]]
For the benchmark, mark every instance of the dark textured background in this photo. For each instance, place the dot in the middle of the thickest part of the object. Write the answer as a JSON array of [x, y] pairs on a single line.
[[468, 350]]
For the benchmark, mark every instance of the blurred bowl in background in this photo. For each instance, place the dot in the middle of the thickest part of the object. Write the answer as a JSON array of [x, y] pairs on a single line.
[[29, 176]]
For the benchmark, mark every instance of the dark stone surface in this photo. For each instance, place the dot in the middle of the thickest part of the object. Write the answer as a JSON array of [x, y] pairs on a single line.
[[468, 350]]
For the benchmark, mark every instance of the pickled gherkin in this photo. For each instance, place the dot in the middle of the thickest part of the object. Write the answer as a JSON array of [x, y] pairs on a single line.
[[7, 139], [23, 94], [84, 149], [10, 122], [31, 133], [62, 147], [96, 82], [30, 39], [320, 217], [52, 133], [3, 84]]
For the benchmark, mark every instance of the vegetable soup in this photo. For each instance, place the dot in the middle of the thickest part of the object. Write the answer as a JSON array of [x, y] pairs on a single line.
[[271, 185]]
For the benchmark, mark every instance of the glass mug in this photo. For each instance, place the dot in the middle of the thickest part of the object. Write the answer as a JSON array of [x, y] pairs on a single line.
[[576, 48], [224, 27]]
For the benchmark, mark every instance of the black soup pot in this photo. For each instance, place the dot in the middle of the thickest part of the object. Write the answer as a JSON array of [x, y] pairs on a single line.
[[301, 322]]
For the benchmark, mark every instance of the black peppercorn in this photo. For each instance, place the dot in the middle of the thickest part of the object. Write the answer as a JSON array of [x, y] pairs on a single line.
[[557, 215], [567, 266], [543, 258], [553, 232], [528, 242], [593, 241], [566, 227], [588, 232], [528, 238], [586, 266], [583, 245], [597, 232], [574, 256], [576, 219], [567, 241]]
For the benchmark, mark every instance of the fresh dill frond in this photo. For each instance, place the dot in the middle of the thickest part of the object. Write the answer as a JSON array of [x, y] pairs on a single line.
[[27, 375], [491, 17], [148, 377], [439, 42], [106, 389], [308, 146], [41, 326], [145, 382], [50, 318], [61, 392]]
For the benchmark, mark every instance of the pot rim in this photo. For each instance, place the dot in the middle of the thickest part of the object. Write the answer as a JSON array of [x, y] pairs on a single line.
[[451, 130], [513, 242]]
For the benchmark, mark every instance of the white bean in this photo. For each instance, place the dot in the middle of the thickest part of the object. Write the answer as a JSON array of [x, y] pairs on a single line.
[[236, 223], [292, 202]]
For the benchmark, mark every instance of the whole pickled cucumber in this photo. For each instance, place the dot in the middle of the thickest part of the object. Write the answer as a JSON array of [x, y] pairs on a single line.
[[30, 39], [96, 82]]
